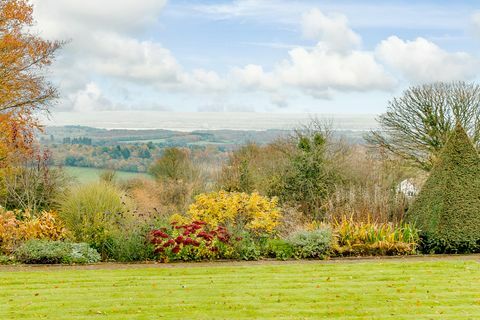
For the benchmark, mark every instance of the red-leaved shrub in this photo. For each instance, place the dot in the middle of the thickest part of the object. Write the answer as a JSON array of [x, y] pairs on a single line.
[[193, 241]]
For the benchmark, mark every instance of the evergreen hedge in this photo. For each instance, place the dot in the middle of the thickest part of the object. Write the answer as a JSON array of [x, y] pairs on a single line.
[[447, 209]]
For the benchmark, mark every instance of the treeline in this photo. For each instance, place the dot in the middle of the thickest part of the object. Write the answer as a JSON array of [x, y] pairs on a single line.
[[79, 140], [124, 157]]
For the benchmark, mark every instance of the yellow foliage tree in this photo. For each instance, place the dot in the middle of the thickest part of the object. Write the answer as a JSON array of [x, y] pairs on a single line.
[[24, 89]]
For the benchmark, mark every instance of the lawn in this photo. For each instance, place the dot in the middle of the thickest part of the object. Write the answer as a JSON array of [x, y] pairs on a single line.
[[410, 289]]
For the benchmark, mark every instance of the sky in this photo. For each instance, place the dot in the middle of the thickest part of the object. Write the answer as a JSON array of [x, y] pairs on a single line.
[[275, 56]]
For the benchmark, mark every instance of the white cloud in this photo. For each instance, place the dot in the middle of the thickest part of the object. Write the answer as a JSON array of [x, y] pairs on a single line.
[[423, 61], [127, 58], [254, 77], [201, 80], [89, 98], [475, 21], [68, 18], [105, 44], [331, 30], [321, 69], [332, 65], [108, 52]]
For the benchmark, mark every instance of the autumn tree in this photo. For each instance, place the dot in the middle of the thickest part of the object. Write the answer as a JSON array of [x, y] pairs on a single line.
[[24, 89], [417, 124]]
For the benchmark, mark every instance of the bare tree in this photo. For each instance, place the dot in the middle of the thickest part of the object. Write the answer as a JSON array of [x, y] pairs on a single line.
[[417, 124]]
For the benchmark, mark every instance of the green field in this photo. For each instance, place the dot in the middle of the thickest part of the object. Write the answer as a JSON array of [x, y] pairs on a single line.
[[86, 175], [410, 289]]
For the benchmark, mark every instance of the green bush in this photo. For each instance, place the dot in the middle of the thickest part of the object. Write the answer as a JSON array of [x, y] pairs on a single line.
[[129, 246], [311, 244], [247, 248], [447, 210], [94, 212], [310, 178], [55, 252], [5, 259], [279, 249]]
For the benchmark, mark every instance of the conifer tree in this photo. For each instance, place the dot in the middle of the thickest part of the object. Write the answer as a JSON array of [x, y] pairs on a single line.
[[447, 210]]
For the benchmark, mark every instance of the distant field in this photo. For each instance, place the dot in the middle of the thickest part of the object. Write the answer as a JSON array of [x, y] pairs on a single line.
[[86, 175], [144, 141], [372, 290], [198, 143]]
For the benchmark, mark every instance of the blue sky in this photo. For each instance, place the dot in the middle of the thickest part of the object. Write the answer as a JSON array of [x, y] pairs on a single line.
[[255, 55]]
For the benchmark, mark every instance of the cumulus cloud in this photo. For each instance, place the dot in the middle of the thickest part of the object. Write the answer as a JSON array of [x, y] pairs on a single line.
[[137, 61], [108, 50], [423, 61], [321, 69], [89, 98], [65, 19], [475, 22], [331, 30], [254, 77], [334, 64], [104, 44]]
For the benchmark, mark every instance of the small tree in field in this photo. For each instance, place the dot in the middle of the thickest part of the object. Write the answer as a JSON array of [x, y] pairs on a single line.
[[175, 164], [447, 210], [417, 124]]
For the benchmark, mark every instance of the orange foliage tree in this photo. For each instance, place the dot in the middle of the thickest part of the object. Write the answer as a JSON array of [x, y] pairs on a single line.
[[24, 90]]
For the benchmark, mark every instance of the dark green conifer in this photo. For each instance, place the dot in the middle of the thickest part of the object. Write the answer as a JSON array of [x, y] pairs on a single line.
[[447, 210]]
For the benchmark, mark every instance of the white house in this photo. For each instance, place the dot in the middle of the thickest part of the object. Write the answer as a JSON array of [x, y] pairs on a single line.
[[408, 188]]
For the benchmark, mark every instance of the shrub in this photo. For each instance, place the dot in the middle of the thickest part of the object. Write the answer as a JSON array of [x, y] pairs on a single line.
[[370, 186], [5, 259], [279, 249], [312, 172], [370, 238], [18, 226], [194, 241], [447, 210], [9, 231], [55, 252], [94, 212], [246, 248], [46, 226], [130, 245], [254, 167], [311, 244], [234, 209], [35, 186]]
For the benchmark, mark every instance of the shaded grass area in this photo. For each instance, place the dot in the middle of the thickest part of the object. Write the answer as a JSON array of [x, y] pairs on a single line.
[[447, 289]]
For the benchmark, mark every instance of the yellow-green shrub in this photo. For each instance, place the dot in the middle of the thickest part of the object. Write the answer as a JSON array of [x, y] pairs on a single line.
[[252, 211], [94, 212], [18, 226]]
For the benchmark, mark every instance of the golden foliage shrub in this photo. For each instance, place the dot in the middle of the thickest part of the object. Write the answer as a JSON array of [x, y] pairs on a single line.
[[17, 227], [46, 226], [354, 238], [252, 211]]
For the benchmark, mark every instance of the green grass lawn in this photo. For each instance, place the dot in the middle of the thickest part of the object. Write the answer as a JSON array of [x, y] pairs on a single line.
[[447, 289], [87, 175]]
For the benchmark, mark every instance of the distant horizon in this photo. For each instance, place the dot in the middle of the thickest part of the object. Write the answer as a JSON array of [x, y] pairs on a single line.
[[191, 121]]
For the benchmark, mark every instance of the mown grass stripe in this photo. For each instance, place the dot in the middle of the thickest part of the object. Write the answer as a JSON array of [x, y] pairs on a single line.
[[371, 290]]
